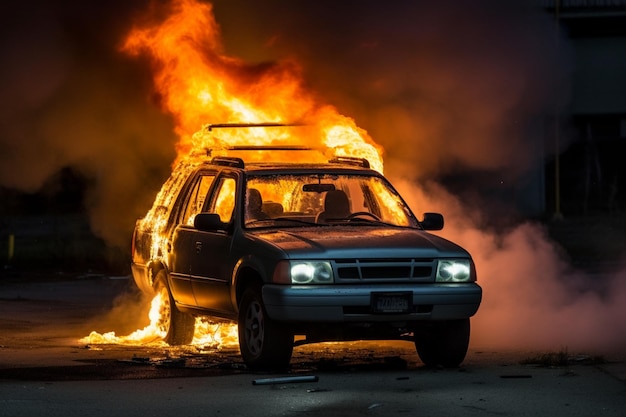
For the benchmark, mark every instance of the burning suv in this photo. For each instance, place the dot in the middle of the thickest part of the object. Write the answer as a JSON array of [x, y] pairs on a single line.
[[322, 251]]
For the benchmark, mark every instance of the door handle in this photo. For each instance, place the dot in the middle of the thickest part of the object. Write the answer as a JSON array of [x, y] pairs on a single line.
[[198, 247]]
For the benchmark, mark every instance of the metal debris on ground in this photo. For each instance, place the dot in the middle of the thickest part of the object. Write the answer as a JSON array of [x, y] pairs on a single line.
[[285, 380]]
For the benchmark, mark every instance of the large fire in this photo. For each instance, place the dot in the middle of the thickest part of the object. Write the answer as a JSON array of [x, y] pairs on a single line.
[[207, 333], [199, 86]]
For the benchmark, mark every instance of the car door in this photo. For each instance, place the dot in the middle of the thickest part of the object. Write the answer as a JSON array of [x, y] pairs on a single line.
[[211, 266], [184, 238]]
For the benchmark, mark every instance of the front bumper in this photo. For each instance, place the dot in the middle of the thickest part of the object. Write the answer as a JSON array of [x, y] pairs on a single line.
[[346, 304]]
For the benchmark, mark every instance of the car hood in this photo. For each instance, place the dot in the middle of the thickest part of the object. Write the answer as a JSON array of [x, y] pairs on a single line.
[[361, 242]]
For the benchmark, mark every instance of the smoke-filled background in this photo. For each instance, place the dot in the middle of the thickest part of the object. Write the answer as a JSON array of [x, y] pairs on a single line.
[[456, 93], [450, 92], [70, 99]]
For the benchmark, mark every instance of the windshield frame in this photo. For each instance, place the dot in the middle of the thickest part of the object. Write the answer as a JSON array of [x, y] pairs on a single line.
[[298, 199]]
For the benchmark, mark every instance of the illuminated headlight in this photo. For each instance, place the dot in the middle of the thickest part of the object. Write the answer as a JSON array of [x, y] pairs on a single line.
[[311, 272], [454, 270]]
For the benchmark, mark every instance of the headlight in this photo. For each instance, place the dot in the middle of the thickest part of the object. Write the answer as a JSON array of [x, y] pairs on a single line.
[[454, 270], [303, 272], [311, 272]]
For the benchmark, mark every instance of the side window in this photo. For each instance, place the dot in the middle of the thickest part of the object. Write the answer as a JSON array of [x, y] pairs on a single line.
[[197, 196], [223, 202]]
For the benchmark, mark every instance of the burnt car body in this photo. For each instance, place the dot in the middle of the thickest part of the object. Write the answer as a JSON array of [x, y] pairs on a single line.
[[324, 251]]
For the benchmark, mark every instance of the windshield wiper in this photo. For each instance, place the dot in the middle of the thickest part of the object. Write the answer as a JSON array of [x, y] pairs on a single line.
[[281, 219], [358, 217], [369, 221], [289, 219]]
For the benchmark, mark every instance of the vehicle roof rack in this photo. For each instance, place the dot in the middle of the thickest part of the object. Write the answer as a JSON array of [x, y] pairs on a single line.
[[350, 160], [268, 148], [228, 161], [212, 126]]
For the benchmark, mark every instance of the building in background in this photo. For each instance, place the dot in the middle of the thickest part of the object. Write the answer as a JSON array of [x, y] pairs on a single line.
[[588, 175]]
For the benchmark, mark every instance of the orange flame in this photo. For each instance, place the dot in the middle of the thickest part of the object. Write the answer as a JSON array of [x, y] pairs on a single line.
[[206, 334], [201, 85]]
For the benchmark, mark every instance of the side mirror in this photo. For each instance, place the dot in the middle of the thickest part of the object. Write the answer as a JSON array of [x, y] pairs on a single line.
[[432, 221], [208, 222]]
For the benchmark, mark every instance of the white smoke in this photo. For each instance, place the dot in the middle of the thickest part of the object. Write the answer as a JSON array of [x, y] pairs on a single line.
[[533, 298]]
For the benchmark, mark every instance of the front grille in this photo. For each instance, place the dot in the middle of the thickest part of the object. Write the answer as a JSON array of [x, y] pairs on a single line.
[[384, 269]]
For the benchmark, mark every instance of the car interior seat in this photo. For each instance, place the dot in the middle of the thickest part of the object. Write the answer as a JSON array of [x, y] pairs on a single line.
[[273, 209], [255, 205], [336, 206]]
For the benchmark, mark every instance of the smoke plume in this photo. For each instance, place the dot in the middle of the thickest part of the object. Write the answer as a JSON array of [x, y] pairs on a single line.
[[533, 298], [455, 90], [444, 88], [70, 99], [448, 89]]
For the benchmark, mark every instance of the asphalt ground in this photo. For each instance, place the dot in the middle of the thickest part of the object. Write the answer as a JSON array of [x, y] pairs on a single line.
[[44, 318], [45, 369]]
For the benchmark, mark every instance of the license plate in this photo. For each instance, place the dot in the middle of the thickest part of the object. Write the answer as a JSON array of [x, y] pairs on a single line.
[[391, 302]]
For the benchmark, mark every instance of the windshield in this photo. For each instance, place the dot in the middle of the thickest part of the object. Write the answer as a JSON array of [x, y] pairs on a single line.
[[323, 199]]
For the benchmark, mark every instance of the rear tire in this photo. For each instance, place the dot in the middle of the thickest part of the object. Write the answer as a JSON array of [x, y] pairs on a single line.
[[176, 327], [443, 343], [264, 343]]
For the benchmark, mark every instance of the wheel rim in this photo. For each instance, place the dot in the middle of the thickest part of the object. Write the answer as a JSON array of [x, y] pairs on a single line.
[[254, 328], [164, 320]]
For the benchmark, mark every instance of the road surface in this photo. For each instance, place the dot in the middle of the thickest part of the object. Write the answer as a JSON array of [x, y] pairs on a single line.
[[45, 369]]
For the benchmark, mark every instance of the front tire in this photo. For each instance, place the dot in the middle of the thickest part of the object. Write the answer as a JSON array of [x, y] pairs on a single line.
[[264, 343], [176, 327], [443, 343]]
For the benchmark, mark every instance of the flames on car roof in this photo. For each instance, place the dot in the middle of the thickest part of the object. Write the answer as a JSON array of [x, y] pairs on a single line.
[[235, 162], [231, 161], [212, 126]]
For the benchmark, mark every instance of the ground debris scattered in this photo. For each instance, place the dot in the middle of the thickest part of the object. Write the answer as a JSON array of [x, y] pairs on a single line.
[[562, 358], [186, 362], [285, 380]]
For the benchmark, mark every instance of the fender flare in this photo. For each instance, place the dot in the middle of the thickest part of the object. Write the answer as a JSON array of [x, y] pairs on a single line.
[[244, 264]]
